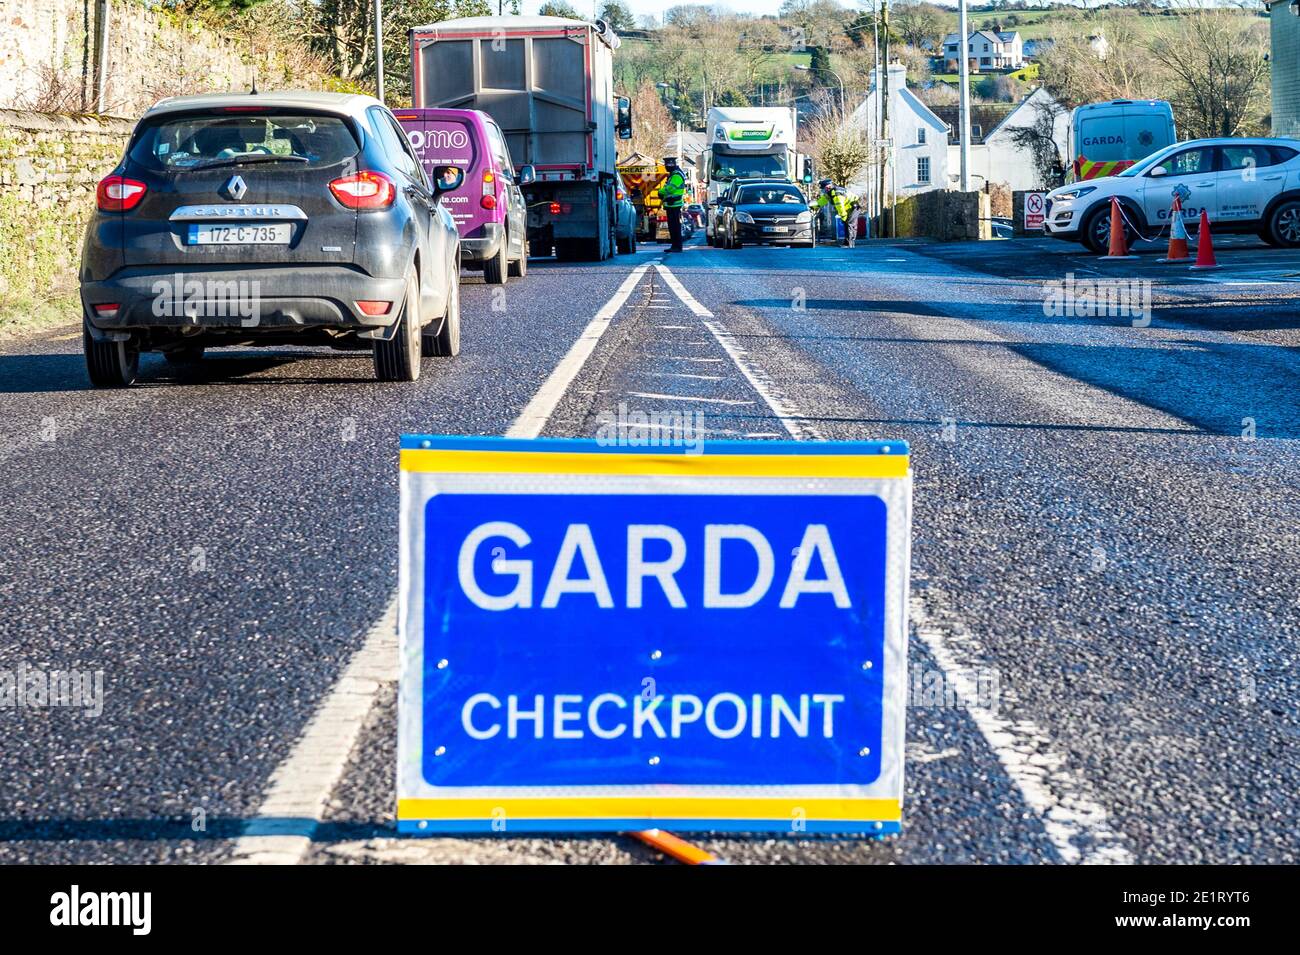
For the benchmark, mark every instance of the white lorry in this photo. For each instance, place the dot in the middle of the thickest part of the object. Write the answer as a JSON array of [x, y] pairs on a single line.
[[749, 142]]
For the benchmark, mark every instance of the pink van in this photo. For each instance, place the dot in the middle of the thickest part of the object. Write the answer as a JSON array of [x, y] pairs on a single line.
[[489, 207]]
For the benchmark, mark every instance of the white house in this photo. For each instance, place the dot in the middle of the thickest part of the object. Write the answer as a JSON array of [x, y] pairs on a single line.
[[986, 50], [919, 153], [1000, 159]]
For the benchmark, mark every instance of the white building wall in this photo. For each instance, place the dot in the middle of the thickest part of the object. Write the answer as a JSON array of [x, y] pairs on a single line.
[[1000, 159], [908, 116]]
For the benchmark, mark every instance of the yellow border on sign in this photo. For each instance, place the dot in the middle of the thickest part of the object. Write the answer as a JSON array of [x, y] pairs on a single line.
[[653, 807], [434, 460]]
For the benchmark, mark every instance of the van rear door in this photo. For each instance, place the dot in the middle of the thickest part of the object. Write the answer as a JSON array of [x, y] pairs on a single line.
[[442, 140]]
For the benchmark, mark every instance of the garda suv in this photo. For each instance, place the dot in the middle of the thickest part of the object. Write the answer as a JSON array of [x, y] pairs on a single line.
[[1244, 185], [269, 219]]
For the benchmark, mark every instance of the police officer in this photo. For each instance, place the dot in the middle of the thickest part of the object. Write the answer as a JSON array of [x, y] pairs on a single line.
[[673, 195], [846, 207]]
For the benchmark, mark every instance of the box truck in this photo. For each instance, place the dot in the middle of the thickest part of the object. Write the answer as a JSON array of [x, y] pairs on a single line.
[[749, 142], [549, 84]]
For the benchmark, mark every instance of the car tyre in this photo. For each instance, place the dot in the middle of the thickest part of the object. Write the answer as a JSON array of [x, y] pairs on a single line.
[[399, 358], [1284, 224], [1096, 230], [446, 342], [497, 268], [110, 364], [519, 267]]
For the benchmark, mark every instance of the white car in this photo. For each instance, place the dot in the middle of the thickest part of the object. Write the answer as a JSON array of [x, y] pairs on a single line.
[[1245, 185]]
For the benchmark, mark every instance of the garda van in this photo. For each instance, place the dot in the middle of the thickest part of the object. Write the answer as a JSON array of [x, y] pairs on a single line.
[[488, 206], [1106, 138]]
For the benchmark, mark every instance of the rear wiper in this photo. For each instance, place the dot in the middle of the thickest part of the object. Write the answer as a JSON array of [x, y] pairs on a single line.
[[251, 157]]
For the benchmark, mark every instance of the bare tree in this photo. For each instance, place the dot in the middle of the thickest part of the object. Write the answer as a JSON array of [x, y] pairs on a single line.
[[1218, 72], [1039, 140]]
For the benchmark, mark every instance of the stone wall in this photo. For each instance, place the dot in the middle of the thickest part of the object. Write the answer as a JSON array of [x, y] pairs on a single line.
[[48, 58], [945, 215], [49, 166]]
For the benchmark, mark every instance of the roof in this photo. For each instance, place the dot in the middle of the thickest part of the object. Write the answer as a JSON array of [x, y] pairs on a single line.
[[987, 116], [1038, 95], [345, 104], [490, 23], [1004, 37]]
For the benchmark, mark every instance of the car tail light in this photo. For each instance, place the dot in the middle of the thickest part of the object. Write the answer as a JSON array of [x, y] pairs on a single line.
[[374, 308], [555, 208], [119, 194], [364, 190], [488, 202], [489, 183], [107, 309]]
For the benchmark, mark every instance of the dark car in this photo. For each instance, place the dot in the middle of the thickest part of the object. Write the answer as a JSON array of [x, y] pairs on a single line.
[[269, 219], [770, 212]]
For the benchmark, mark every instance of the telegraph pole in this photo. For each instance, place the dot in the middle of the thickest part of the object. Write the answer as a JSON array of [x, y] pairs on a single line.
[[963, 79], [883, 77], [379, 50]]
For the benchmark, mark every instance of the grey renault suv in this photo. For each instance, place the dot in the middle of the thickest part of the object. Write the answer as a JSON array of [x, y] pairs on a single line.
[[270, 219]]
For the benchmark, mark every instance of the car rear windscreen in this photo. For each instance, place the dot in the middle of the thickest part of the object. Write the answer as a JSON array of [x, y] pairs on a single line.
[[193, 141]]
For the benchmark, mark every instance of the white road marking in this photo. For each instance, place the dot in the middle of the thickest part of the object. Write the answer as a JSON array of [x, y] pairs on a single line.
[[712, 401], [759, 381], [533, 419], [281, 831], [1073, 819], [1075, 822]]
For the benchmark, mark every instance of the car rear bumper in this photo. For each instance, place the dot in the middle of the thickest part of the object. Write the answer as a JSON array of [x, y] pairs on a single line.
[[482, 247], [279, 298]]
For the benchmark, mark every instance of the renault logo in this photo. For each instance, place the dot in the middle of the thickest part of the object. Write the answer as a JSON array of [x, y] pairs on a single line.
[[235, 188]]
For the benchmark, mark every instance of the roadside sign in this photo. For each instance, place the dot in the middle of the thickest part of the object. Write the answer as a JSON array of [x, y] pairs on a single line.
[[1035, 205], [606, 638]]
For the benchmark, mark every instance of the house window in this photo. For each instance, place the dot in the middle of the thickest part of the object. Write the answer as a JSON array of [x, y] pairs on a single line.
[[984, 61], [923, 170], [920, 136]]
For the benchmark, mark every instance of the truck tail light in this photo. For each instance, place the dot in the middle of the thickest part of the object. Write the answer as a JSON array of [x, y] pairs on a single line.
[[364, 190], [554, 208], [489, 185], [374, 308], [107, 309], [119, 194], [488, 202]]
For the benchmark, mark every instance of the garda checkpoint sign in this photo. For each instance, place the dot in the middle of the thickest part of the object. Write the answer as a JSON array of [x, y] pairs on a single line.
[[606, 639]]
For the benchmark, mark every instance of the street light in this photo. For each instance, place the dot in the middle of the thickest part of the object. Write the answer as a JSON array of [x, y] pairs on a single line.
[[808, 69]]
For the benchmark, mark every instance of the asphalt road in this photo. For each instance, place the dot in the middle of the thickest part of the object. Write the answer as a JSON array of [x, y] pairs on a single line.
[[1106, 527]]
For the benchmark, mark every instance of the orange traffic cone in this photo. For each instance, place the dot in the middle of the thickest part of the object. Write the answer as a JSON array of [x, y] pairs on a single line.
[[1177, 235], [1204, 246], [1118, 245]]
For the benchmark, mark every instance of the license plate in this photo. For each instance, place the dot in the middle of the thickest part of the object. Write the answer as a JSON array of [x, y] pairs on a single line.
[[276, 233], [775, 228]]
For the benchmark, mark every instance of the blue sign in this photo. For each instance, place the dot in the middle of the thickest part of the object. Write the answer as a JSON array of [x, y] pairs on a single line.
[[649, 633]]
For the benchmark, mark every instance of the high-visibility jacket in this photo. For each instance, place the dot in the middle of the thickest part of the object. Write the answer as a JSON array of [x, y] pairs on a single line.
[[842, 202], [673, 192]]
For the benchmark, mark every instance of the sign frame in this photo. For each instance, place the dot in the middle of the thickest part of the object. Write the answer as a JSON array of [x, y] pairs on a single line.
[[433, 466], [1034, 221]]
